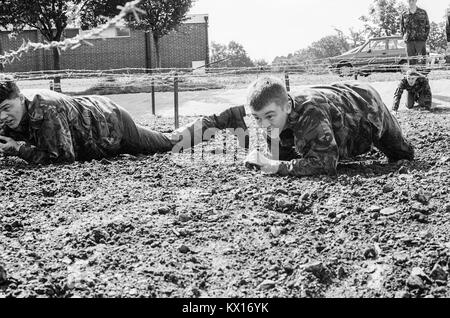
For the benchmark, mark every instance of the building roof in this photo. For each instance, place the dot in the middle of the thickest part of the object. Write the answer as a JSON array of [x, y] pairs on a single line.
[[196, 18]]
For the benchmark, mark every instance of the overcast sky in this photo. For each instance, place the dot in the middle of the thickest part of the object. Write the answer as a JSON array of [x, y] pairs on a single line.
[[270, 28]]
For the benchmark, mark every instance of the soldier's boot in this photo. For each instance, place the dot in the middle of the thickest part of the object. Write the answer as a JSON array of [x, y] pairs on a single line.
[[205, 128], [392, 142]]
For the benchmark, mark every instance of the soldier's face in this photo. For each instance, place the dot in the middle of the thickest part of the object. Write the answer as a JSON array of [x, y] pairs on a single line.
[[412, 80], [272, 118], [11, 112], [412, 3]]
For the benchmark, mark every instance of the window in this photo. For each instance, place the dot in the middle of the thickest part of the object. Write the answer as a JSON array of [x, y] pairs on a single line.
[[401, 44], [123, 31], [376, 45], [379, 45], [396, 44], [392, 45], [113, 32]]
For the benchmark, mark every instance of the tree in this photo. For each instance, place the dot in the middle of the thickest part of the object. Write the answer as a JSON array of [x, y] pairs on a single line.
[[51, 17], [92, 13], [218, 54], [160, 18], [231, 55], [384, 18], [343, 39], [356, 38], [260, 63], [437, 39], [328, 46]]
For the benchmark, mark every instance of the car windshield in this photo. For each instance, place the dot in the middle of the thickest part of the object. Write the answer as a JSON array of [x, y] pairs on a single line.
[[353, 50]]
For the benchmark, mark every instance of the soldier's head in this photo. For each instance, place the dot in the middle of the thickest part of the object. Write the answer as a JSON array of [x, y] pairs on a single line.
[[270, 104], [412, 4], [12, 104], [412, 75]]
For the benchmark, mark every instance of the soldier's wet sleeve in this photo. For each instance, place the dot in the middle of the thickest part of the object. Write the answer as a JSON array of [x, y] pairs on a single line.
[[398, 95], [53, 141], [314, 140]]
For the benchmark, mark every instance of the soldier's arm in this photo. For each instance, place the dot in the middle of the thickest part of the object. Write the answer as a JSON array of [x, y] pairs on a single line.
[[315, 140], [427, 25], [447, 29], [402, 25], [398, 95], [54, 141]]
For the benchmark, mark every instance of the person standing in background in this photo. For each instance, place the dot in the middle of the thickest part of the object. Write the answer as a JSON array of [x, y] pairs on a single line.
[[447, 28], [415, 28]]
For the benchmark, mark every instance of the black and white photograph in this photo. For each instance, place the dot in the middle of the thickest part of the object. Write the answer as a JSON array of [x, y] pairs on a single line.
[[206, 150]]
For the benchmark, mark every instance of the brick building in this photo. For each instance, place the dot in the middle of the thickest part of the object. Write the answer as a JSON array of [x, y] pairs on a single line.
[[120, 48]]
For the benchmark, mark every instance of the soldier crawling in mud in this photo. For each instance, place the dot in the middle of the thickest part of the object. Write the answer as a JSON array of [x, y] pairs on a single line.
[[307, 134], [322, 125], [55, 128], [418, 88]]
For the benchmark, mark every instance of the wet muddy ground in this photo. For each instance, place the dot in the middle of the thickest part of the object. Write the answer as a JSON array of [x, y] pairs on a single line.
[[194, 225]]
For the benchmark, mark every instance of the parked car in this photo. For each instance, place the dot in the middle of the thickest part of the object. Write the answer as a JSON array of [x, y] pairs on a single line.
[[383, 54]]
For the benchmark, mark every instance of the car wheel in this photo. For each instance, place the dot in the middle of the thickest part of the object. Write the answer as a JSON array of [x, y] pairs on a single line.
[[345, 70]]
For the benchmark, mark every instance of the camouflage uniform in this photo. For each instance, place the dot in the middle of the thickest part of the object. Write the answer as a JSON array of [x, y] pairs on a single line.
[[59, 128], [420, 92], [330, 123], [415, 28], [447, 28]]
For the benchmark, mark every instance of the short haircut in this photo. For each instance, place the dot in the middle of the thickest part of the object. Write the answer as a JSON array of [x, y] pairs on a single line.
[[8, 89], [413, 72], [267, 90]]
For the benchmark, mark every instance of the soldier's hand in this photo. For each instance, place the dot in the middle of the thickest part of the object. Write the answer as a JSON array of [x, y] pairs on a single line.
[[9, 146], [258, 160]]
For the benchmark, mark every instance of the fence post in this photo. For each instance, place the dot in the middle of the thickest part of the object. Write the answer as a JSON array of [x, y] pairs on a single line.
[[175, 90], [153, 98], [286, 78], [57, 84]]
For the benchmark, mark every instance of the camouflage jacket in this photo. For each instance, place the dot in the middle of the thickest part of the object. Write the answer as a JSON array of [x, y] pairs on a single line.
[[415, 26], [58, 128], [421, 87], [329, 123], [447, 28]]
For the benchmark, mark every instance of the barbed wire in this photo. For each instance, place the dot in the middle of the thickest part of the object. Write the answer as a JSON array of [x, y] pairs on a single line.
[[73, 43], [184, 74]]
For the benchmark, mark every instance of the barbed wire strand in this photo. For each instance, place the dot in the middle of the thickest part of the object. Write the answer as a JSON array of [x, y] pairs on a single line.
[[73, 43]]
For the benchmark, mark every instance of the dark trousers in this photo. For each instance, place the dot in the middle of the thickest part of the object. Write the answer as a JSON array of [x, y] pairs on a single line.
[[423, 100], [141, 140], [416, 49], [387, 133]]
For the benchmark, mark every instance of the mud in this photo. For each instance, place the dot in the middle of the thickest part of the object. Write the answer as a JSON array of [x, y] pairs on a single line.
[[196, 225]]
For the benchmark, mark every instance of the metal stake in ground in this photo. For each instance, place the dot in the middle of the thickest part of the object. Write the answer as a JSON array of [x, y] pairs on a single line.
[[153, 98], [175, 91], [57, 84], [286, 78]]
